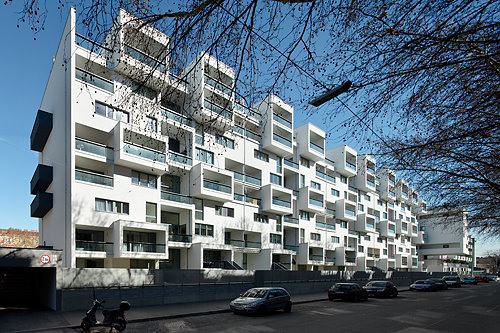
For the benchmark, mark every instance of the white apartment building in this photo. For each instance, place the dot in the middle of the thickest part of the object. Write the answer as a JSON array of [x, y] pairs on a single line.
[[448, 246], [141, 169]]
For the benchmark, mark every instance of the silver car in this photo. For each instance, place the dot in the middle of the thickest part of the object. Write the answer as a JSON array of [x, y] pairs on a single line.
[[262, 300]]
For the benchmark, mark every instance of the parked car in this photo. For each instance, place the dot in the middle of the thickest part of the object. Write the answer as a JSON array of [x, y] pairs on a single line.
[[423, 285], [493, 277], [440, 283], [347, 292], [381, 289], [469, 280], [262, 300], [453, 281], [482, 278]]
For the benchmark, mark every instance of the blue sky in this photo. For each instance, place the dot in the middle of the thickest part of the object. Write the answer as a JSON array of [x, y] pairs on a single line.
[[25, 65]]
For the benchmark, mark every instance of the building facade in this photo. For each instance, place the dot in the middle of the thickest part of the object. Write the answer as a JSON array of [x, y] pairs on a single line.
[[139, 168]]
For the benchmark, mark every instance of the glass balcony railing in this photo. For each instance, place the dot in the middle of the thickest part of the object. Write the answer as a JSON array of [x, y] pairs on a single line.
[[93, 46], [329, 211], [282, 203], [282, 140], [247, 178], [170, 196], [216, 186], [217, 109], [247, 199], [247, 133], [330, 260], [180, 238], [316, 147], [325, 226], [144, 58], [246, 110], [316, 257], [370, 183], [320, 174], [179, 158], [94, 80], [253, 245], [144, 152], [370, 169], [350, 212], [291, 247], [94, 148], [218, 85], [290, 219], [94, 246], [316, 202], [392, 230], [330, 178], [177, 117], [330, 162], [350, 165], [350, 260], [92, 177], [391, 182], [370, 225], [291, 164], [143, 247], [282, 120]]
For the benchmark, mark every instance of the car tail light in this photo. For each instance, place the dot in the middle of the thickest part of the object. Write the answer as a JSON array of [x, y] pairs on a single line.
[[329, 290]]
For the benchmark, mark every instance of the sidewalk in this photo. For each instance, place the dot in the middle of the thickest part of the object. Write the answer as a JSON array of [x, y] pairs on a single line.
[[19, 320]]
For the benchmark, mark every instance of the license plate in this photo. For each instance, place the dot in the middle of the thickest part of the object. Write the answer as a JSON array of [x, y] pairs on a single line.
[[339, 293]]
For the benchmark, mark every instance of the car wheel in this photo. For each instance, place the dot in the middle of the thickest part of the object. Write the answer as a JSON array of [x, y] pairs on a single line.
[[288, 307], [86, 324], [119, 325], [330, 298]]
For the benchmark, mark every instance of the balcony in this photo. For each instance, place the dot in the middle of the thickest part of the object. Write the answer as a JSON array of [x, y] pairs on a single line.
[[169, 114], [82, 245], [316, 202], [317, 148], [218, 109], [144, 58], [291, 164], [282, 140], [212, 183], [42, 204], [41, 130], [94, 148], [143, 152], [247, 133], [282, 121], [282, 203], [179, 158], [94, 80], [312, 142], [276, 199], [247, 179], [143, 247], [290, 247], [181, 238], [345, 211], [345, 159], [216, 186], [93, 46], [218, 85], [315, 257], [94, 178], [42, 178], [243, 243], [290, 219], [325, 226], [247, 199], [176, 197]]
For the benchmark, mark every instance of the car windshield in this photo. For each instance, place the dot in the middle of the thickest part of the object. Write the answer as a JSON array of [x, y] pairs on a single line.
[[343, 286], [421, 282], [255, 293], [450, 278], [376, 284]]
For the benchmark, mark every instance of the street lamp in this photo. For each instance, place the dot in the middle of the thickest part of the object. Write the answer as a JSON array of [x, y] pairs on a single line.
[[328, 95]]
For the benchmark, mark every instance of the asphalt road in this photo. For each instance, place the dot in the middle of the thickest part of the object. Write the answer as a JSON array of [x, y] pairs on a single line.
[[466, 309]]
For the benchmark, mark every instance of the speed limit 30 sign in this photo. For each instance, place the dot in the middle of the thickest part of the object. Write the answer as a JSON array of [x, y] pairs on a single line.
[[45, 259]]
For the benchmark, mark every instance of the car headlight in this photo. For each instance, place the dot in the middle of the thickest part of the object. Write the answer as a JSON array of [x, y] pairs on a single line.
[[252, 304]]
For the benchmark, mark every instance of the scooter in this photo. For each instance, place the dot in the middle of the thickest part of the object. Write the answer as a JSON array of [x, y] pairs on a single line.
[[112, 318]]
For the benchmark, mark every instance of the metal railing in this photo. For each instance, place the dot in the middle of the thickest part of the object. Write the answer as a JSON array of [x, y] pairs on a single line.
[[290, 219], [94, 246], [218, 85], [143, 247], [94, 148], [350, 165], [171, 196], [92, 177], [180, 238], [282, 140], [316, 147], [282, 203], [218, 109], [282, 120], [144, 58], [179, 158], [94, 80], [216, 186], [291, 164], [370, 169], [143, 152], [171, 114], [316, 257], [320, 174]]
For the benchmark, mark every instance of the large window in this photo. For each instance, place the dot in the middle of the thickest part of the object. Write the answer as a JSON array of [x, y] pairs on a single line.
[[260, 218], [261, 155], [151, 212], [110, 206], [198, 207], [315, 236], [109, 112], [204, 156], [204, 229], [224, 211], [229, 143], [275, 239], [275, 179], [315, 185], [305, 162], [143, 179], [335, 239], [171, 183]]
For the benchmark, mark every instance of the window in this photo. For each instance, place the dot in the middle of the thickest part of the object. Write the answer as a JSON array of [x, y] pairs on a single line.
[[367, 197], [315, 236], [278, 223], [151, 212], [151, 124], [224, 211], [260, 155], [200, 135], [400, 249], [279, 165], [361, 248], [343, 224], [384, 214], [198, 207], [109, 112], [335, 192], [305, 162], [361, 207], [226, 142], [204, 156], [275, 238], [380, 202], [384, 252], [343, 179], [302, 180], [302, 235], [143, 179], [335, 239], [260, 218], [144, 91], [446, 246], [304, 215], [275, 179], [367, 237], [315, 185], [110, 206], [171, 183], [204, 229]]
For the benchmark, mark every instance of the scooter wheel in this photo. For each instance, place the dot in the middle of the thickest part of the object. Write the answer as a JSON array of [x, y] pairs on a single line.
[[119, 324], [86, 325]]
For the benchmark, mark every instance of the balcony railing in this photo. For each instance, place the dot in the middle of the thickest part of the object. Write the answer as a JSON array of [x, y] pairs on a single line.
[[246, 110], [350, 165], [282, 140], [392, 194], [218, 85], [282, 203], [217, 109], [329, 211], [247, 199], [94, 148], [94, 80], [330, 260], [216, 186], [290, 219], [291, 164], [144, 58], [170, 114], [180, 238], [143, 152], [350, 260], [330, 178], [316, 202], [391, 182], [316, 257], [247, 178], [328, 161], [94, 246], [325, 226], [92, 177], [350, 212], [371, 183], [316, 147], [290, 247], [143, 247], [170, 196], [93, 46], [242, 243], [179, 158], [320, 174], [370, 169], [282, 120]]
